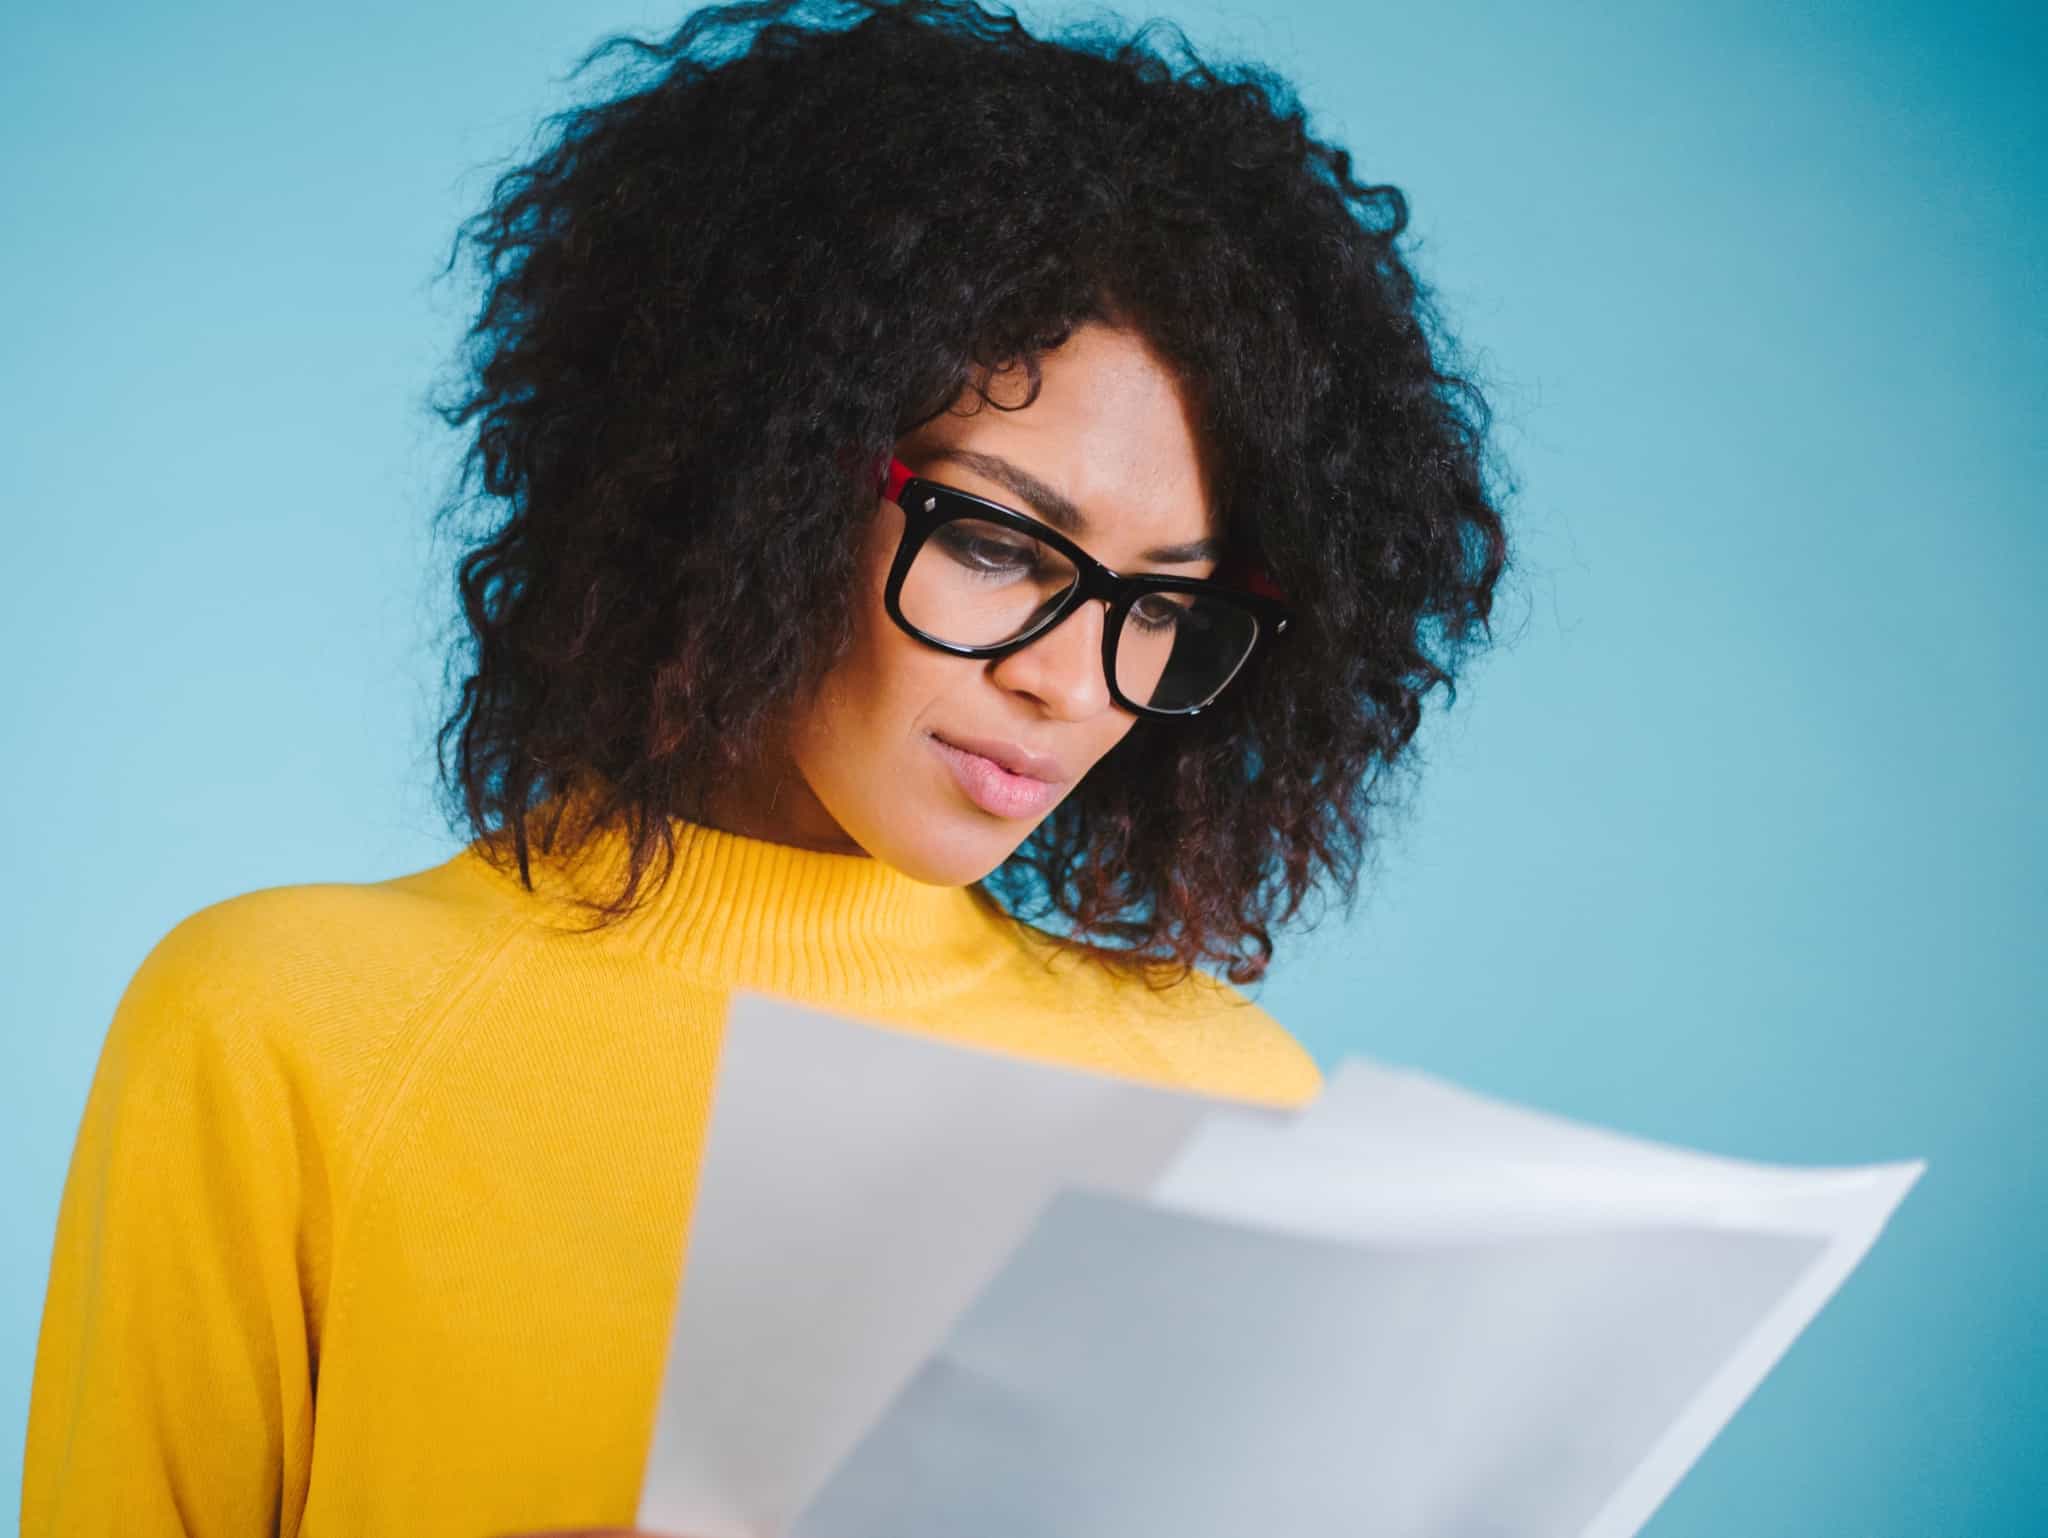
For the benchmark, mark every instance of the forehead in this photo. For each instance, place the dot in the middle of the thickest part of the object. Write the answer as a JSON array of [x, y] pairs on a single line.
[[1108, 450]]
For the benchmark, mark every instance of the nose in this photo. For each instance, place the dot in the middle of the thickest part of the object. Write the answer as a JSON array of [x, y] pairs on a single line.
[[1062, 669]]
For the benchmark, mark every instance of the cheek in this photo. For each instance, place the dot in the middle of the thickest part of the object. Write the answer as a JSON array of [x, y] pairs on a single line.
[[888, 669], [897, 678], [878, 694]]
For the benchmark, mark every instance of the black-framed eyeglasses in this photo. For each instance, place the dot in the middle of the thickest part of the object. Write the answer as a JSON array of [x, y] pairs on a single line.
[[977, 579]]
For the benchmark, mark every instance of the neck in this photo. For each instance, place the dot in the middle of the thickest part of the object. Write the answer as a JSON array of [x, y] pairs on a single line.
[[787, 812]]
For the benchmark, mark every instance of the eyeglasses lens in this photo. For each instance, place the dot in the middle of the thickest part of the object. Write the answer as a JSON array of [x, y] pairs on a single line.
[[978, 583]]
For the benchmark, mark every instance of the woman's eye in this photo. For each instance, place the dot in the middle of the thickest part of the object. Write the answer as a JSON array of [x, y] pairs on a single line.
[[988, 554], [1157, 611]]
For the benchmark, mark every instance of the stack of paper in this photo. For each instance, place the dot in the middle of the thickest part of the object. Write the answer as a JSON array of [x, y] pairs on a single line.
[[934, 1292]]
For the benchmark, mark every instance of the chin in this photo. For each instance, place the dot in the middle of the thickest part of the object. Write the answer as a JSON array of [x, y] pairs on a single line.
[[943, 851]]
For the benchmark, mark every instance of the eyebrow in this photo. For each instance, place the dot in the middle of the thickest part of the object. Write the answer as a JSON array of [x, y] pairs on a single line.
[[1053, 506]]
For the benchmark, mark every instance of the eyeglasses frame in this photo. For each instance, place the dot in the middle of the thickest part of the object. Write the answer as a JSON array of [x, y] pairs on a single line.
[[928, 505]]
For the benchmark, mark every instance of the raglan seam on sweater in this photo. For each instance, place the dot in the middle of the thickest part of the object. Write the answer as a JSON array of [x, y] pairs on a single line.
[[424, 1026]]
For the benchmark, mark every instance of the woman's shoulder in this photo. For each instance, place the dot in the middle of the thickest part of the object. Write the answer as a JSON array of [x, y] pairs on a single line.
[[308, 976], [301, 938], [1213, 1037], [1231, 1045]]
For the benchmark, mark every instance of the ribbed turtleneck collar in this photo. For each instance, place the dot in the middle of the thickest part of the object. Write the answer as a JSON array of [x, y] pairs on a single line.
[[748, 913]]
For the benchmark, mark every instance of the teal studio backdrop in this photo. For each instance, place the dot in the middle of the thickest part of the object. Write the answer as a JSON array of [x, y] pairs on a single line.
[[1737, 841]]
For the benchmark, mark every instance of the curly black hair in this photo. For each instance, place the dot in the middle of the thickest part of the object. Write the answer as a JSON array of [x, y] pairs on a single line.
[[793, 231]]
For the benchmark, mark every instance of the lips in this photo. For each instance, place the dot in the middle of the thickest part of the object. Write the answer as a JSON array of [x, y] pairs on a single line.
[[1008, 755], [994, 788]]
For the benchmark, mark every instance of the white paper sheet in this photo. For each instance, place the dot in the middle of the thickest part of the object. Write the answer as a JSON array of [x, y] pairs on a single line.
[[987, 1296], [860, 1186]]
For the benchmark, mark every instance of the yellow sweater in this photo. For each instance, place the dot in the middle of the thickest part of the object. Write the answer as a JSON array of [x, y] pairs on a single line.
[[376, 1216]]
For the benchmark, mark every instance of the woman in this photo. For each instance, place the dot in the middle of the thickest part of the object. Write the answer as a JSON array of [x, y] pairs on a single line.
[[938, 479]]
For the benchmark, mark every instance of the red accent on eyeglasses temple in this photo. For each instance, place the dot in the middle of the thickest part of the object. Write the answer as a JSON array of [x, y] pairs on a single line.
[[1253, 577], [892, 481]]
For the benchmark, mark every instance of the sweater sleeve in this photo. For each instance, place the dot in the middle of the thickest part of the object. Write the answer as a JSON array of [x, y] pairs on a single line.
[[173, 1380]]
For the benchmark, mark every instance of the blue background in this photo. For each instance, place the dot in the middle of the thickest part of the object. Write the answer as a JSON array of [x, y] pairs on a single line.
[[1738, 841]]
